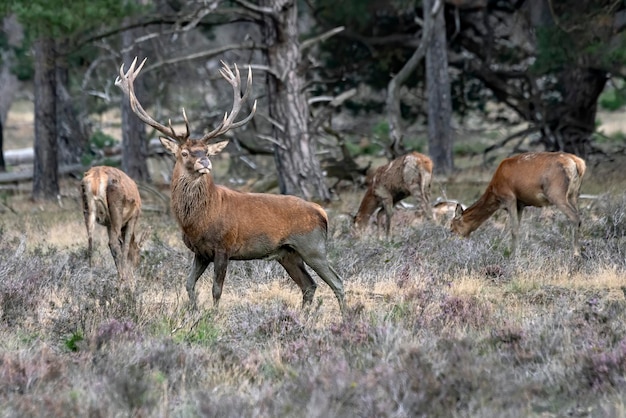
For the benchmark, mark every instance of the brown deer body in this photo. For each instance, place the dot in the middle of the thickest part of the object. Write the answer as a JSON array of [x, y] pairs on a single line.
[[111, 198], [408, 175], [530, 179], [220, 224]]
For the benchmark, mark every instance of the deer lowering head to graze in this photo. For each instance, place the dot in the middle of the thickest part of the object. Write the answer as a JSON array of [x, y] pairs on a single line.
[[408, 175], [111, 199], [220, 224], [531, 179]]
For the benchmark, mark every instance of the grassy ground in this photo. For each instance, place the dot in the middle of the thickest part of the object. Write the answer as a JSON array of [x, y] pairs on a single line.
[[437, 325]]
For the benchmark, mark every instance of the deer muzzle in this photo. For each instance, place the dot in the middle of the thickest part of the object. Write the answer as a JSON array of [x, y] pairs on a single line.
[[203, 165]]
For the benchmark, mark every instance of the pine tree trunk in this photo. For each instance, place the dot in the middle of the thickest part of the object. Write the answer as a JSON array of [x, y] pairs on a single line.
[[299, 170], [572, 122], [73, 135], [439, 96], [45, 170]]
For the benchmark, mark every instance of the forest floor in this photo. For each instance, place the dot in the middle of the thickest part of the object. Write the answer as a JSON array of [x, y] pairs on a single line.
[[436, 325]]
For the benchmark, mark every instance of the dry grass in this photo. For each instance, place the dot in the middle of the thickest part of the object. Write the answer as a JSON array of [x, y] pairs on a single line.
[[437, 325]]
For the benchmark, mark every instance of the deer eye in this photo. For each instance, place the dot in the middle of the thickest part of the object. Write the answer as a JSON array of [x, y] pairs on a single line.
[[184, 154]]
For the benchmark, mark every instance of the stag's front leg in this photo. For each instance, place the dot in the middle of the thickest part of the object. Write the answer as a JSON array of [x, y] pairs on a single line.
[[221, 264], [200, 264], [386, 200]]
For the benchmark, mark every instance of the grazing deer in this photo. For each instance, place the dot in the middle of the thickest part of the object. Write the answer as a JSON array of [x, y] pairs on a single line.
[[220, 224], [531, 179], [408, 175], [111, 198]]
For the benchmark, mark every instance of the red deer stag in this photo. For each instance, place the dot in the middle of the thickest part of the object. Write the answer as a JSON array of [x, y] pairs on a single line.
[[530, 179], [220, 224], [408, 175], [111, 198]]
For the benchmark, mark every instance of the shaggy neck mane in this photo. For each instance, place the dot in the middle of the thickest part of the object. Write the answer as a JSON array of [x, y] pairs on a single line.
[[190, 198]]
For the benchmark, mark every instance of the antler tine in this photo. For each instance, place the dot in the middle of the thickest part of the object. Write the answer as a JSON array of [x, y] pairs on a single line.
[[234, 79], [125, 82]]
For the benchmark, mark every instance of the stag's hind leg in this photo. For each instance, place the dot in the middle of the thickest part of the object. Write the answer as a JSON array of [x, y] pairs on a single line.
[[571, 211], [294, 265], [313, 252], [116, 240], [569, 206]]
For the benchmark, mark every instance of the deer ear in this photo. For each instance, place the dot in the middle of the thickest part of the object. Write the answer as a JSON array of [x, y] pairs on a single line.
[[169, 145], [216, 148], [458, 211]]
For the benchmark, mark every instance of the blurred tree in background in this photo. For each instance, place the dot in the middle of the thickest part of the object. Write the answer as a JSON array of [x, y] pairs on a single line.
[[538, 67]]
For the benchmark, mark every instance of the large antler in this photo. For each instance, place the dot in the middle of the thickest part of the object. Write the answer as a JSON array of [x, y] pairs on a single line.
[[234, 79], [125, 82]]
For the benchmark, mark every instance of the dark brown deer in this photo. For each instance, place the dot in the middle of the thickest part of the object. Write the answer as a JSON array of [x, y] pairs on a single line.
[[220, 224], [408, 175], [111, 198], [530, 179]]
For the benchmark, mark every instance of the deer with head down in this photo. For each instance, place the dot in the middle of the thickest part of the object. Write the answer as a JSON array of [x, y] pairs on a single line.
[[111, 198], [531, 179], [408, 175], [220, 224]]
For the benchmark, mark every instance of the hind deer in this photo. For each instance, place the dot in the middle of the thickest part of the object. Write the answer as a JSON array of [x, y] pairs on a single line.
[[408, 175], [220, 224], [111, 198], [530, 179]]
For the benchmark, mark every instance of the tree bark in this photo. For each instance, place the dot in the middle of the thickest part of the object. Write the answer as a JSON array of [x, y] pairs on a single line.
[[3, 167], [394, 117], [298, 167], [439, 95], [73, 135], [134, 137], [45, 170], [571, 124]]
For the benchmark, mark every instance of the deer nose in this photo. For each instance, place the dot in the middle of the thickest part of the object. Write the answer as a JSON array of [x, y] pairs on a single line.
[[203, 165]]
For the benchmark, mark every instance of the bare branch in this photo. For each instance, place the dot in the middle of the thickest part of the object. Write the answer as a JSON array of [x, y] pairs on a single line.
[[321, 37], [203, 55], [255, 8], [393, 100]]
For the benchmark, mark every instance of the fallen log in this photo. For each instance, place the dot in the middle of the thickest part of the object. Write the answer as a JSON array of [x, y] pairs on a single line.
[[24, 156]]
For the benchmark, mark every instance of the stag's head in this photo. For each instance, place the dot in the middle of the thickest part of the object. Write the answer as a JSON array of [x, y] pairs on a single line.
[[192, 154]]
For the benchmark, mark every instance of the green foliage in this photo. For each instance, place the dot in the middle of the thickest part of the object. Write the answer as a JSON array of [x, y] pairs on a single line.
[[55, 18], [613, 99], [555, 49], [98, 142], [381, 131], [71, 343], [204, 332]]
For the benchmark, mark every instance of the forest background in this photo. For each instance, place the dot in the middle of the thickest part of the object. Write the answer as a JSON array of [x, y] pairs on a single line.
[[334, 81]]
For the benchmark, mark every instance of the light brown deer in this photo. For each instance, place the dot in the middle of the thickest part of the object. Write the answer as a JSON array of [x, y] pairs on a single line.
[[111, 198], [530, 179], [220, 224], [408, 175]]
